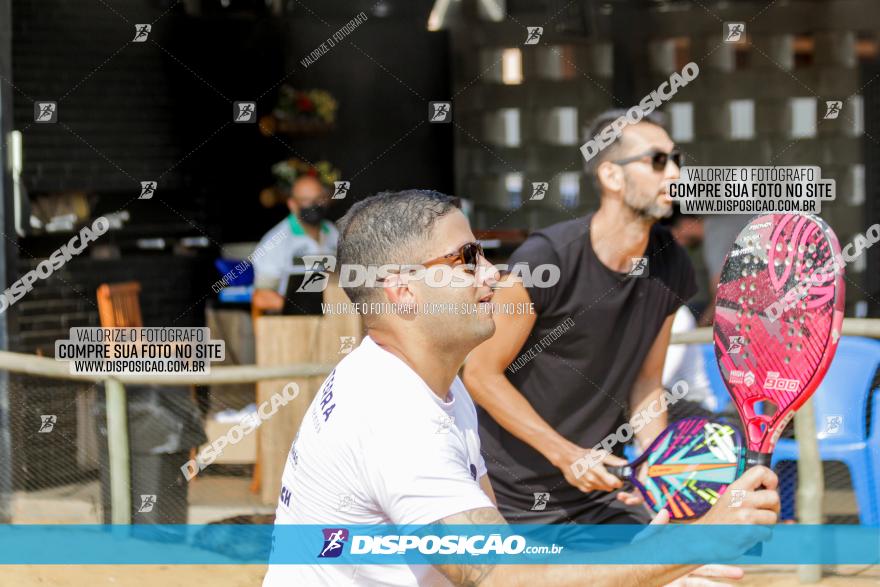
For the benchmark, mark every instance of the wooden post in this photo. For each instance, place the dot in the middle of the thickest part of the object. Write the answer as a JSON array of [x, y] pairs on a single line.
[[811, 482], [288, 340], [117, 446]]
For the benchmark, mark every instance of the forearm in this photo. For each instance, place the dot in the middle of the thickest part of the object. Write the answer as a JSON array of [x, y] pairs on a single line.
[[265, 299], [507, 406], [582, 575], [489, 575], [645, 400], [474, 575]]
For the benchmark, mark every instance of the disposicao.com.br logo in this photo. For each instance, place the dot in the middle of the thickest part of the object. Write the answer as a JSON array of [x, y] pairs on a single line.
[[450, 544]]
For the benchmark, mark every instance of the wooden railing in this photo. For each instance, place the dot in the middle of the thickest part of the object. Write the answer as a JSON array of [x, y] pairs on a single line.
[[810, 466]]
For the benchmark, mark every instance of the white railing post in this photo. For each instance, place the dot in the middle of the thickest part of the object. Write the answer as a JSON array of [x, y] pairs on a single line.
[[117, 447], [811, 483]]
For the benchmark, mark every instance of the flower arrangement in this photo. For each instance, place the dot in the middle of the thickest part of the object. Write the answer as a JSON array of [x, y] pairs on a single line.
[[306, 105], [288, 170]]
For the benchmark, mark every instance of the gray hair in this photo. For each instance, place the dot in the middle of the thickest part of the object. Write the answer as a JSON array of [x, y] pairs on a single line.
[[390, 227]]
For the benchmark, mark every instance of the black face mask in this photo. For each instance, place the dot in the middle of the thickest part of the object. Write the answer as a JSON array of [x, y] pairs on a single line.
[[312, 215]]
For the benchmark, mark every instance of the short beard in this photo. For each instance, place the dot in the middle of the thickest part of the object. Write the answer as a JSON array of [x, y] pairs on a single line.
[[452, 332], [651, 211]]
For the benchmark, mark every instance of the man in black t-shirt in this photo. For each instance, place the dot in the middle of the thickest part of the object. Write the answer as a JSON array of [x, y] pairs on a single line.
[[553, 384]]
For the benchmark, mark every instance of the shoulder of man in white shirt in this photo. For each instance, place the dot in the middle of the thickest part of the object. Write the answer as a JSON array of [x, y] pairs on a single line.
[[373, 382], [381, 404], [275, 235]]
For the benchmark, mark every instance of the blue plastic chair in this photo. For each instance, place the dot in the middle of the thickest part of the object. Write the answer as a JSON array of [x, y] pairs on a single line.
[[716, 384], [846, 392]]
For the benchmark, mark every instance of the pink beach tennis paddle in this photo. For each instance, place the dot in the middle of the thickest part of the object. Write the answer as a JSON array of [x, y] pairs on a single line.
[[778, 316]]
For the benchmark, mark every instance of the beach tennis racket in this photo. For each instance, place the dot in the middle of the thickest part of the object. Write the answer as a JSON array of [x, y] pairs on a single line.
[[689, 466], [778, 316]]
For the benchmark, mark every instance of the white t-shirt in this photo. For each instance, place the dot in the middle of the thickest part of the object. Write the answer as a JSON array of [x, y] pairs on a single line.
[[286, 241], [377, 446]]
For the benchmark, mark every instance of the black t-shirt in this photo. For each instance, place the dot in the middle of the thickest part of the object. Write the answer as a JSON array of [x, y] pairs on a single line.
[[580, 382]]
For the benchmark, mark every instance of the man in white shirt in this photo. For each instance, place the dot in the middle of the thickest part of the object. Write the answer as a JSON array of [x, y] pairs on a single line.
[[304, 232], [391, 436]]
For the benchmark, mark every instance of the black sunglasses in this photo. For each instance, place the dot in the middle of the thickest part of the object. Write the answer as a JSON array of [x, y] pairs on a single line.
[[659, 159]]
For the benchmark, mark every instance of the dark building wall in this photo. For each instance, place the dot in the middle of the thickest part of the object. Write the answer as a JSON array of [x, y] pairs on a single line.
[[383, 75], [114, 121], [594, 56], [157, 110], [162, 110]]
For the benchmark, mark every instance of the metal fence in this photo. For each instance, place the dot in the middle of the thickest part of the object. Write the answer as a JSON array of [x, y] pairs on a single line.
[[86, 447]]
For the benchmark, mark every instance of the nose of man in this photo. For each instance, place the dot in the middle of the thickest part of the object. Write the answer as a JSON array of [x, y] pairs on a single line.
[[487, 274]]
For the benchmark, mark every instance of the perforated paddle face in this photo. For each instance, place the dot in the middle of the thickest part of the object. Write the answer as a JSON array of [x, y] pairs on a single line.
[[778, 314], [690, 465]]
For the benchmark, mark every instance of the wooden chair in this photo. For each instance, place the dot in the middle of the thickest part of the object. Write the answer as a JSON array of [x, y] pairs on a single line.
[[119, 305]]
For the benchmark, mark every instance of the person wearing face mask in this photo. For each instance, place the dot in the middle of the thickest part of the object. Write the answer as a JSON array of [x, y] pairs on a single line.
[[304, 232]]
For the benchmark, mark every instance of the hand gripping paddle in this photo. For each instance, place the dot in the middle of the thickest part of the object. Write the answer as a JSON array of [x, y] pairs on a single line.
[[690, 464], [778, 315]]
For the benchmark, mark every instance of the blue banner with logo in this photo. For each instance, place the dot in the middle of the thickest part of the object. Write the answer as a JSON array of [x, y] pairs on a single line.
[[514, 544]]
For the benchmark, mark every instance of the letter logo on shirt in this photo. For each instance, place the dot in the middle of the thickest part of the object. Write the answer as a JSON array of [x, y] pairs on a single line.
[[293, 457], [334, 541], [327, 403]]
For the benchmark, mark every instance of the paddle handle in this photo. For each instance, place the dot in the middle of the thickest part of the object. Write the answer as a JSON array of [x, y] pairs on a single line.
[[754, 459], [624, 472]]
